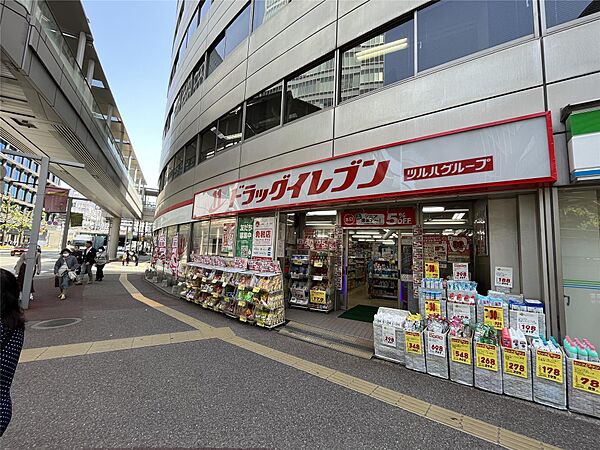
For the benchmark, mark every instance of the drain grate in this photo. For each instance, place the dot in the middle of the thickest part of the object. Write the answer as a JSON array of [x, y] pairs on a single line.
[[56, 323]]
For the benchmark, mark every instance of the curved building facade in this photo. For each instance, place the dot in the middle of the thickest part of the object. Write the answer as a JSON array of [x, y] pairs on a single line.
[[436, 124]]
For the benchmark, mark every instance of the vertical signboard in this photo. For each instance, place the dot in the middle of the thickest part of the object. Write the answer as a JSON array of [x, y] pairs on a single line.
[[263, 235], [243, 246]]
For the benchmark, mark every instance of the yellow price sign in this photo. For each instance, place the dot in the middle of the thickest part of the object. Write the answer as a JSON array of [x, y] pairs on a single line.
[[413, 342], [241, 303], [515, 363], [256, 289], [432, 269], [549, 365], [204, 279], [215, 294], [243, 319], [460, 350], [260, 324], [486, 357], [432, 308], [493, 316], [241, 287], [318, 264], [586, 376], [318, 297]]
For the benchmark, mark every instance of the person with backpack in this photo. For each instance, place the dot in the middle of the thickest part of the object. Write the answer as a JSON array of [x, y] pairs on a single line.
[[12, 333], [101, 260]]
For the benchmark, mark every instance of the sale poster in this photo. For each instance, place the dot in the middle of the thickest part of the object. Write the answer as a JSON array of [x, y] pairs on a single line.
[[435, 248], [459, 248], [228, 236], [263, 234]]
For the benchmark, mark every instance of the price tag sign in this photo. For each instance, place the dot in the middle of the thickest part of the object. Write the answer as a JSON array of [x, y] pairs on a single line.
[[549, 366], [243, 319], [319, 297], [256, 289], [432, 269], [388, 336], [204, 279], [241, 287], [460, 271], [493, 316], [241, 303], [318, 264], [586, 376], [515, 363], [215, 294], [436, 344], [432, 308], [503, 277], [528, 323], [260, 324], [318, 277], [413, 342], [460, 310], [297, 262], [461, 350], [486, 357]]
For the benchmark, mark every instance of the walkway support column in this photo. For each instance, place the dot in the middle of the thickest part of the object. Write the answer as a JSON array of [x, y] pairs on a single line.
[[113, 237]]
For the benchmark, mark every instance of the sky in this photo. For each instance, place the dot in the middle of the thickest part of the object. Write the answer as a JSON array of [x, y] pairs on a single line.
[[133, 39]]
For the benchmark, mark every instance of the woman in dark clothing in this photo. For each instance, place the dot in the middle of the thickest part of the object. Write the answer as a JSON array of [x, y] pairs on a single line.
[[64, 272], [12, 329]]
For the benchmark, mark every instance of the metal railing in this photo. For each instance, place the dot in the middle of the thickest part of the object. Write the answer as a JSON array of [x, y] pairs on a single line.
[[51, 30]]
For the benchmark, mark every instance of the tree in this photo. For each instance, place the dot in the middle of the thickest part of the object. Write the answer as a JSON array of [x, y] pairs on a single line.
[[12, 218]]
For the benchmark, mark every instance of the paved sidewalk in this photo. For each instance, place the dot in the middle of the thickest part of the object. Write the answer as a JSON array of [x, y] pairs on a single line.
[[174, 375]]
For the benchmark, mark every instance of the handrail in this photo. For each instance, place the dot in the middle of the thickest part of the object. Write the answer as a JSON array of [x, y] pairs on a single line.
[[50, 28]]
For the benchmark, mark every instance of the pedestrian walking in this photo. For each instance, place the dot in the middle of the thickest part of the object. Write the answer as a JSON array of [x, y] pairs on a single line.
[[12, 332], [125, 258], [89, 258], [64, 272], [21, 266], [101, 260]]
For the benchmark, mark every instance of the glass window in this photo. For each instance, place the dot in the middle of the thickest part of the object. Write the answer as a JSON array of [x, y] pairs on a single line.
[[204, 9], [208, 141], [561, 11], [199, 239], [378, 61], [178, 164], [34, 166], [190, 154], [265, 9], [16, 174], [184, 242], [216, 54], [27, 163], [13, 191], [449, 30], [171, 232], [238, 30], [8, 170], [263, 111], [170, 170], [23, 177], [310, 92], [19, 159], [6, 188], [221, 236], [229, 129], [21, 194], [192, 26], [28, 197]]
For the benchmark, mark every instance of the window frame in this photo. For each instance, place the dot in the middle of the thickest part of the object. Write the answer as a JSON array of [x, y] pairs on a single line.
[[330, 56], [561, 26], [281, 111]]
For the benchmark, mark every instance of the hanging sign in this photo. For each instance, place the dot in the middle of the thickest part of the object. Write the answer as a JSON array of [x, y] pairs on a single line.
[[549, 365], [461, 350], [388, 336], [503, 277], [586, 376], [486, 357], [515, 362], [262, 241], [55, 199], [370, 218], [480, 156], [432, 269], [460, 271], [243, 246]]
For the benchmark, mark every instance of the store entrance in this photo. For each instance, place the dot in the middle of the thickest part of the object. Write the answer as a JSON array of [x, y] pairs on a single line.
[[376, 259]]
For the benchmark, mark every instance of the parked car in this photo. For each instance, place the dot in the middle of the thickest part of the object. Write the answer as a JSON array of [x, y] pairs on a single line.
[[18, 251]]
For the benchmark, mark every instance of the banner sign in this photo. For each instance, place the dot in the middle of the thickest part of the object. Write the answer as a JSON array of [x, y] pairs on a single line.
[[55, 199], [263, 235], [243, 247], [396, 217], [480, 156]]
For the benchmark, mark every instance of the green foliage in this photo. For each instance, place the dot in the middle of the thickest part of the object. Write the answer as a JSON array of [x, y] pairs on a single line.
[[11, 216]]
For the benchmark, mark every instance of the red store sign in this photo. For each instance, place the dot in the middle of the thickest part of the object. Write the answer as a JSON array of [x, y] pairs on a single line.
[[392, 218], [513, 152]]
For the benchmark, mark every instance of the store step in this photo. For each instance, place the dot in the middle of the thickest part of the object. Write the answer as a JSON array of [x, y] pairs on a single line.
[[351, 345]]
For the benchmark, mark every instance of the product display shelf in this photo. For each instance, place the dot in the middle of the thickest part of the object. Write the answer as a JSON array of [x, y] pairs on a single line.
[[583, 389], [461, 360], [383, 279], [488, 367], [249, 296], [517, 378], [436, 345], [432, 302], [320, 286], [299, 285], [549, 383]]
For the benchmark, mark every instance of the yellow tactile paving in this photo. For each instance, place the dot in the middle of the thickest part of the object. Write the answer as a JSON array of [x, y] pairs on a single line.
[[446, 417]]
